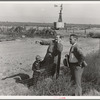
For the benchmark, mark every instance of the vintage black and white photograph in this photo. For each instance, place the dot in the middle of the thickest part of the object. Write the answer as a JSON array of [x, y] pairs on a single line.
[[49, 48]]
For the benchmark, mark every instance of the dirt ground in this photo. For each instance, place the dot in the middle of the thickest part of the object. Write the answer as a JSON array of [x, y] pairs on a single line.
[[17, 57]]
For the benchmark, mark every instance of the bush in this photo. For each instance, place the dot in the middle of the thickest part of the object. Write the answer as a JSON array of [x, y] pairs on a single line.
[[92, 71], [47, 33], [96, 35], [30, 32], [93, 35], [62, 86], [55, 87], [90, 34]]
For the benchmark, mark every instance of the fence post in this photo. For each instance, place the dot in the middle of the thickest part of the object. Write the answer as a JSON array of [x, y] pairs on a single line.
[[99, 47], [73, 30]]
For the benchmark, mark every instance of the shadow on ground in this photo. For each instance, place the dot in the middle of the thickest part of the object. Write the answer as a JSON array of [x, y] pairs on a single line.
[[21, 78]]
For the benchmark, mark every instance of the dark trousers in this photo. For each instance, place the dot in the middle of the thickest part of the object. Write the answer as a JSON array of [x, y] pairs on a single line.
[[57, 64], [35, 77], [72, 74], [49, 65], [52, 64]]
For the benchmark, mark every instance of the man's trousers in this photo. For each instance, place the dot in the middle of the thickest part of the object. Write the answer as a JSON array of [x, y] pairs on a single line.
[[76, 75]]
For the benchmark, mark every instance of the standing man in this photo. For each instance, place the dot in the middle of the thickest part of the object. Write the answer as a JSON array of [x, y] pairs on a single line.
[[76, 63], [53, 56]]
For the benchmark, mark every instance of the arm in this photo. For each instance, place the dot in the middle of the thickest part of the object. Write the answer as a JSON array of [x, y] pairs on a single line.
[[66, 60], [45, 42], [79, 55], [33, 67]]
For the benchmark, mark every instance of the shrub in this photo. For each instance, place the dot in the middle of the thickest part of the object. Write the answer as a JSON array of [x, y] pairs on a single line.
[[62, 86], [93, 35], [53, 87], [96, 35], [47, 33], [92, 71], [90, 34]]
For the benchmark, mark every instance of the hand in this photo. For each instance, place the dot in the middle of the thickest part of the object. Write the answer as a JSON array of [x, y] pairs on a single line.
[[50, 54], [66, 55], [80, 64], [84, 64], [38, 71], [42, 70]]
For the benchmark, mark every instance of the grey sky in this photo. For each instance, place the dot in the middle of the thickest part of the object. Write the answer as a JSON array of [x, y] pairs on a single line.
[[73, 12]]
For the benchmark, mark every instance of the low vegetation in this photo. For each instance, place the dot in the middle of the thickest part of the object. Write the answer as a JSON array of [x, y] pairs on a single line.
[[62, 86], [20, 32], [92, 72], [93, 34]]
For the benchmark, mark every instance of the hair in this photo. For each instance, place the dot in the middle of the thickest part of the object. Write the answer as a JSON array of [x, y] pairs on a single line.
[[74, 35], [59, 35], [37, 57]]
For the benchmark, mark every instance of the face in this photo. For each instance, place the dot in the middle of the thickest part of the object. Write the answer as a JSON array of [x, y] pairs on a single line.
[[38, 60], [72, 40], [57, 39]]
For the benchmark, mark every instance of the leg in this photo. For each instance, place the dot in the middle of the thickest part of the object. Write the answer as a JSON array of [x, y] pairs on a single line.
[[78, 75], [72, 72], [53, 69], [35, 78], [58, 64]]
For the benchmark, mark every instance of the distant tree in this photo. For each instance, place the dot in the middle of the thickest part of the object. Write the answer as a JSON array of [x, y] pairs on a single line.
[[18, 29], [90, 34], [31, 32]]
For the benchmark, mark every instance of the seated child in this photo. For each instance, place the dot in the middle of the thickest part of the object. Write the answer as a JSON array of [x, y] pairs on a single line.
[[36, 67]]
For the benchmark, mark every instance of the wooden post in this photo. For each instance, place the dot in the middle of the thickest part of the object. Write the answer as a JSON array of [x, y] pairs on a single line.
[[99, 47], [73, 30], [85, 30]]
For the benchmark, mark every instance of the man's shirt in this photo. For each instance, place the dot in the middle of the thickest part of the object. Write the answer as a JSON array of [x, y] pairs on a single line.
[[72, 58]]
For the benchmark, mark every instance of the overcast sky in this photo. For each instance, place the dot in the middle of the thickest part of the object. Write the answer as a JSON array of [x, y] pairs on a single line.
[[73, 12]]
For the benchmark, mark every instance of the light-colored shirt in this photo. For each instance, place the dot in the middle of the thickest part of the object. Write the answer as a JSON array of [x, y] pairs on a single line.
[[72, 58]]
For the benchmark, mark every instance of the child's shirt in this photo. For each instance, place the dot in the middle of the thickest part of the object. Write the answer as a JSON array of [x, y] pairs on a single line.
[[36, 66]]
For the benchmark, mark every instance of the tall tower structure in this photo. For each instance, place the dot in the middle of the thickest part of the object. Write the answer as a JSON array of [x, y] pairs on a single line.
[[59, 24], [60, 14]]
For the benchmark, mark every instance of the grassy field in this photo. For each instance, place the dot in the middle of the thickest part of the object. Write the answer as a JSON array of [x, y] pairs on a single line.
[[17, 57]]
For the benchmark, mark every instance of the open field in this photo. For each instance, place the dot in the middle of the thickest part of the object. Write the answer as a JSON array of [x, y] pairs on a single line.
[[16, 57]]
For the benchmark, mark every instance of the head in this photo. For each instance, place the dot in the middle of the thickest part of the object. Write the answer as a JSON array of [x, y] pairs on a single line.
[[73, 38], [38, 58], [58, 38]]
